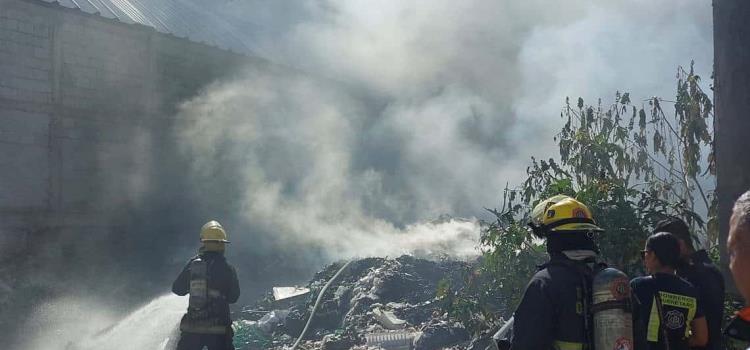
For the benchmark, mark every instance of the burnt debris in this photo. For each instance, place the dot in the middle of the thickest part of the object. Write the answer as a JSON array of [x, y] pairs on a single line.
[[376, 303]]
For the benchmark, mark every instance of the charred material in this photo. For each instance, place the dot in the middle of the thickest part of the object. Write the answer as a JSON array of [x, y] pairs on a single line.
[[375, 302]]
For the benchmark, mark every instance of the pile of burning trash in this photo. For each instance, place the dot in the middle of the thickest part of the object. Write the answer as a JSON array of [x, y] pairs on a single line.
[[374, 303]]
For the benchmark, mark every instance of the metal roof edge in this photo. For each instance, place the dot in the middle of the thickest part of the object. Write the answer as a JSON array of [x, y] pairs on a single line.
[[138, 26]]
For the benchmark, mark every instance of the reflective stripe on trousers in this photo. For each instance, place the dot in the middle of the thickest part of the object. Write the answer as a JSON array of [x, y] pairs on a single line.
[[566, 345]]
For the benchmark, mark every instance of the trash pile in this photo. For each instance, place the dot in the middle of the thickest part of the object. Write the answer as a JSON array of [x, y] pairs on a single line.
[[375, 303]]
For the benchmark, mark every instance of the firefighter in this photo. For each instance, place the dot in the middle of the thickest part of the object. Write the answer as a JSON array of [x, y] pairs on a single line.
[[212, 284], [696, 267], [666, 310], [554, 312]]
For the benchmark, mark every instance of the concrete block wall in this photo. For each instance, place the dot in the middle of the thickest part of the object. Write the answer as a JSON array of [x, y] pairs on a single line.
[[25, 115], [86, 114], [25, 55], [84, 101], [103, 93], [105, 67]]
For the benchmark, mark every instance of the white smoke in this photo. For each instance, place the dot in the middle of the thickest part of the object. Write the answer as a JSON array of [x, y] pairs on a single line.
[[433, 106], [294, 139], [627, 46]]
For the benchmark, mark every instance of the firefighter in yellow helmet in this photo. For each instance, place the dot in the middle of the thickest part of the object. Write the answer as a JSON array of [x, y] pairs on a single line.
[[212, 284], [554, 311]]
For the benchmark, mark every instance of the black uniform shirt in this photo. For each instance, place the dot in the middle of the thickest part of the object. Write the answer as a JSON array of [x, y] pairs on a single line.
[[707, 279], [679, 307]]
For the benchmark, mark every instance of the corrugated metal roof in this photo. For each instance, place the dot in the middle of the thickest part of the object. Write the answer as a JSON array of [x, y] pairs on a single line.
[[191, 19]]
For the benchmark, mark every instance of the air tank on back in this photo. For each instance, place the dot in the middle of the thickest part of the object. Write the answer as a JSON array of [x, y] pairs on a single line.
[[613, 326], [198, 284]]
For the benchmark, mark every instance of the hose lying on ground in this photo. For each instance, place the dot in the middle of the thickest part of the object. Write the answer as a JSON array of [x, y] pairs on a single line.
[[317, 302]]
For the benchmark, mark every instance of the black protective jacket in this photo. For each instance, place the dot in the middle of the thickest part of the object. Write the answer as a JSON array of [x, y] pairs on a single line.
[[553, 311], [707, 279], [222, 278]]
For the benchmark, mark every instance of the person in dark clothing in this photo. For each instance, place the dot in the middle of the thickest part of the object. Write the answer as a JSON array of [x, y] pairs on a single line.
[[554, 311], [698, 269], [666, 311], [551, 315], [212, 284], [738, 249]]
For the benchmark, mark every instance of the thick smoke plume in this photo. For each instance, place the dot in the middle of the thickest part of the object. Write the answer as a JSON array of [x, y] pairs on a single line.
[[431, 108], [297, 149]]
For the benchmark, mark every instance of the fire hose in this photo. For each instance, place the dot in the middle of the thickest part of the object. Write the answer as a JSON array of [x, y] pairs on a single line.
[[317, 303]]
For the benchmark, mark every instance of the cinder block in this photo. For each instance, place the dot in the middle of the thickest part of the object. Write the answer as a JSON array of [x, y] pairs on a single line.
[[24, 127], [26, 27], [21, 81], [18, 37], [7, 68], [13, 240], [41, 30], [40, 74], [38, 43], [82, 59], [24, 38], [42, 87], [8, 92], [24, 95], [42, 97], [5, 34], [29, 176], [80, 72], [12, 24], [37, 63], [13, 47]]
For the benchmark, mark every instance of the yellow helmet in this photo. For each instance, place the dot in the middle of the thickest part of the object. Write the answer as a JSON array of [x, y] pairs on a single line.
[[213, 232], [561, 213]]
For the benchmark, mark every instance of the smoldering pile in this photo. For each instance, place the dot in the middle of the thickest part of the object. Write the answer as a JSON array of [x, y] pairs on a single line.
[[375, 303]]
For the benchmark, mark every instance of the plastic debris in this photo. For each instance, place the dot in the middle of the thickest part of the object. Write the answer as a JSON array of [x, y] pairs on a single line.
[[272, 319], [392, 340], [283, 293], [441, 334], [388, 319]]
